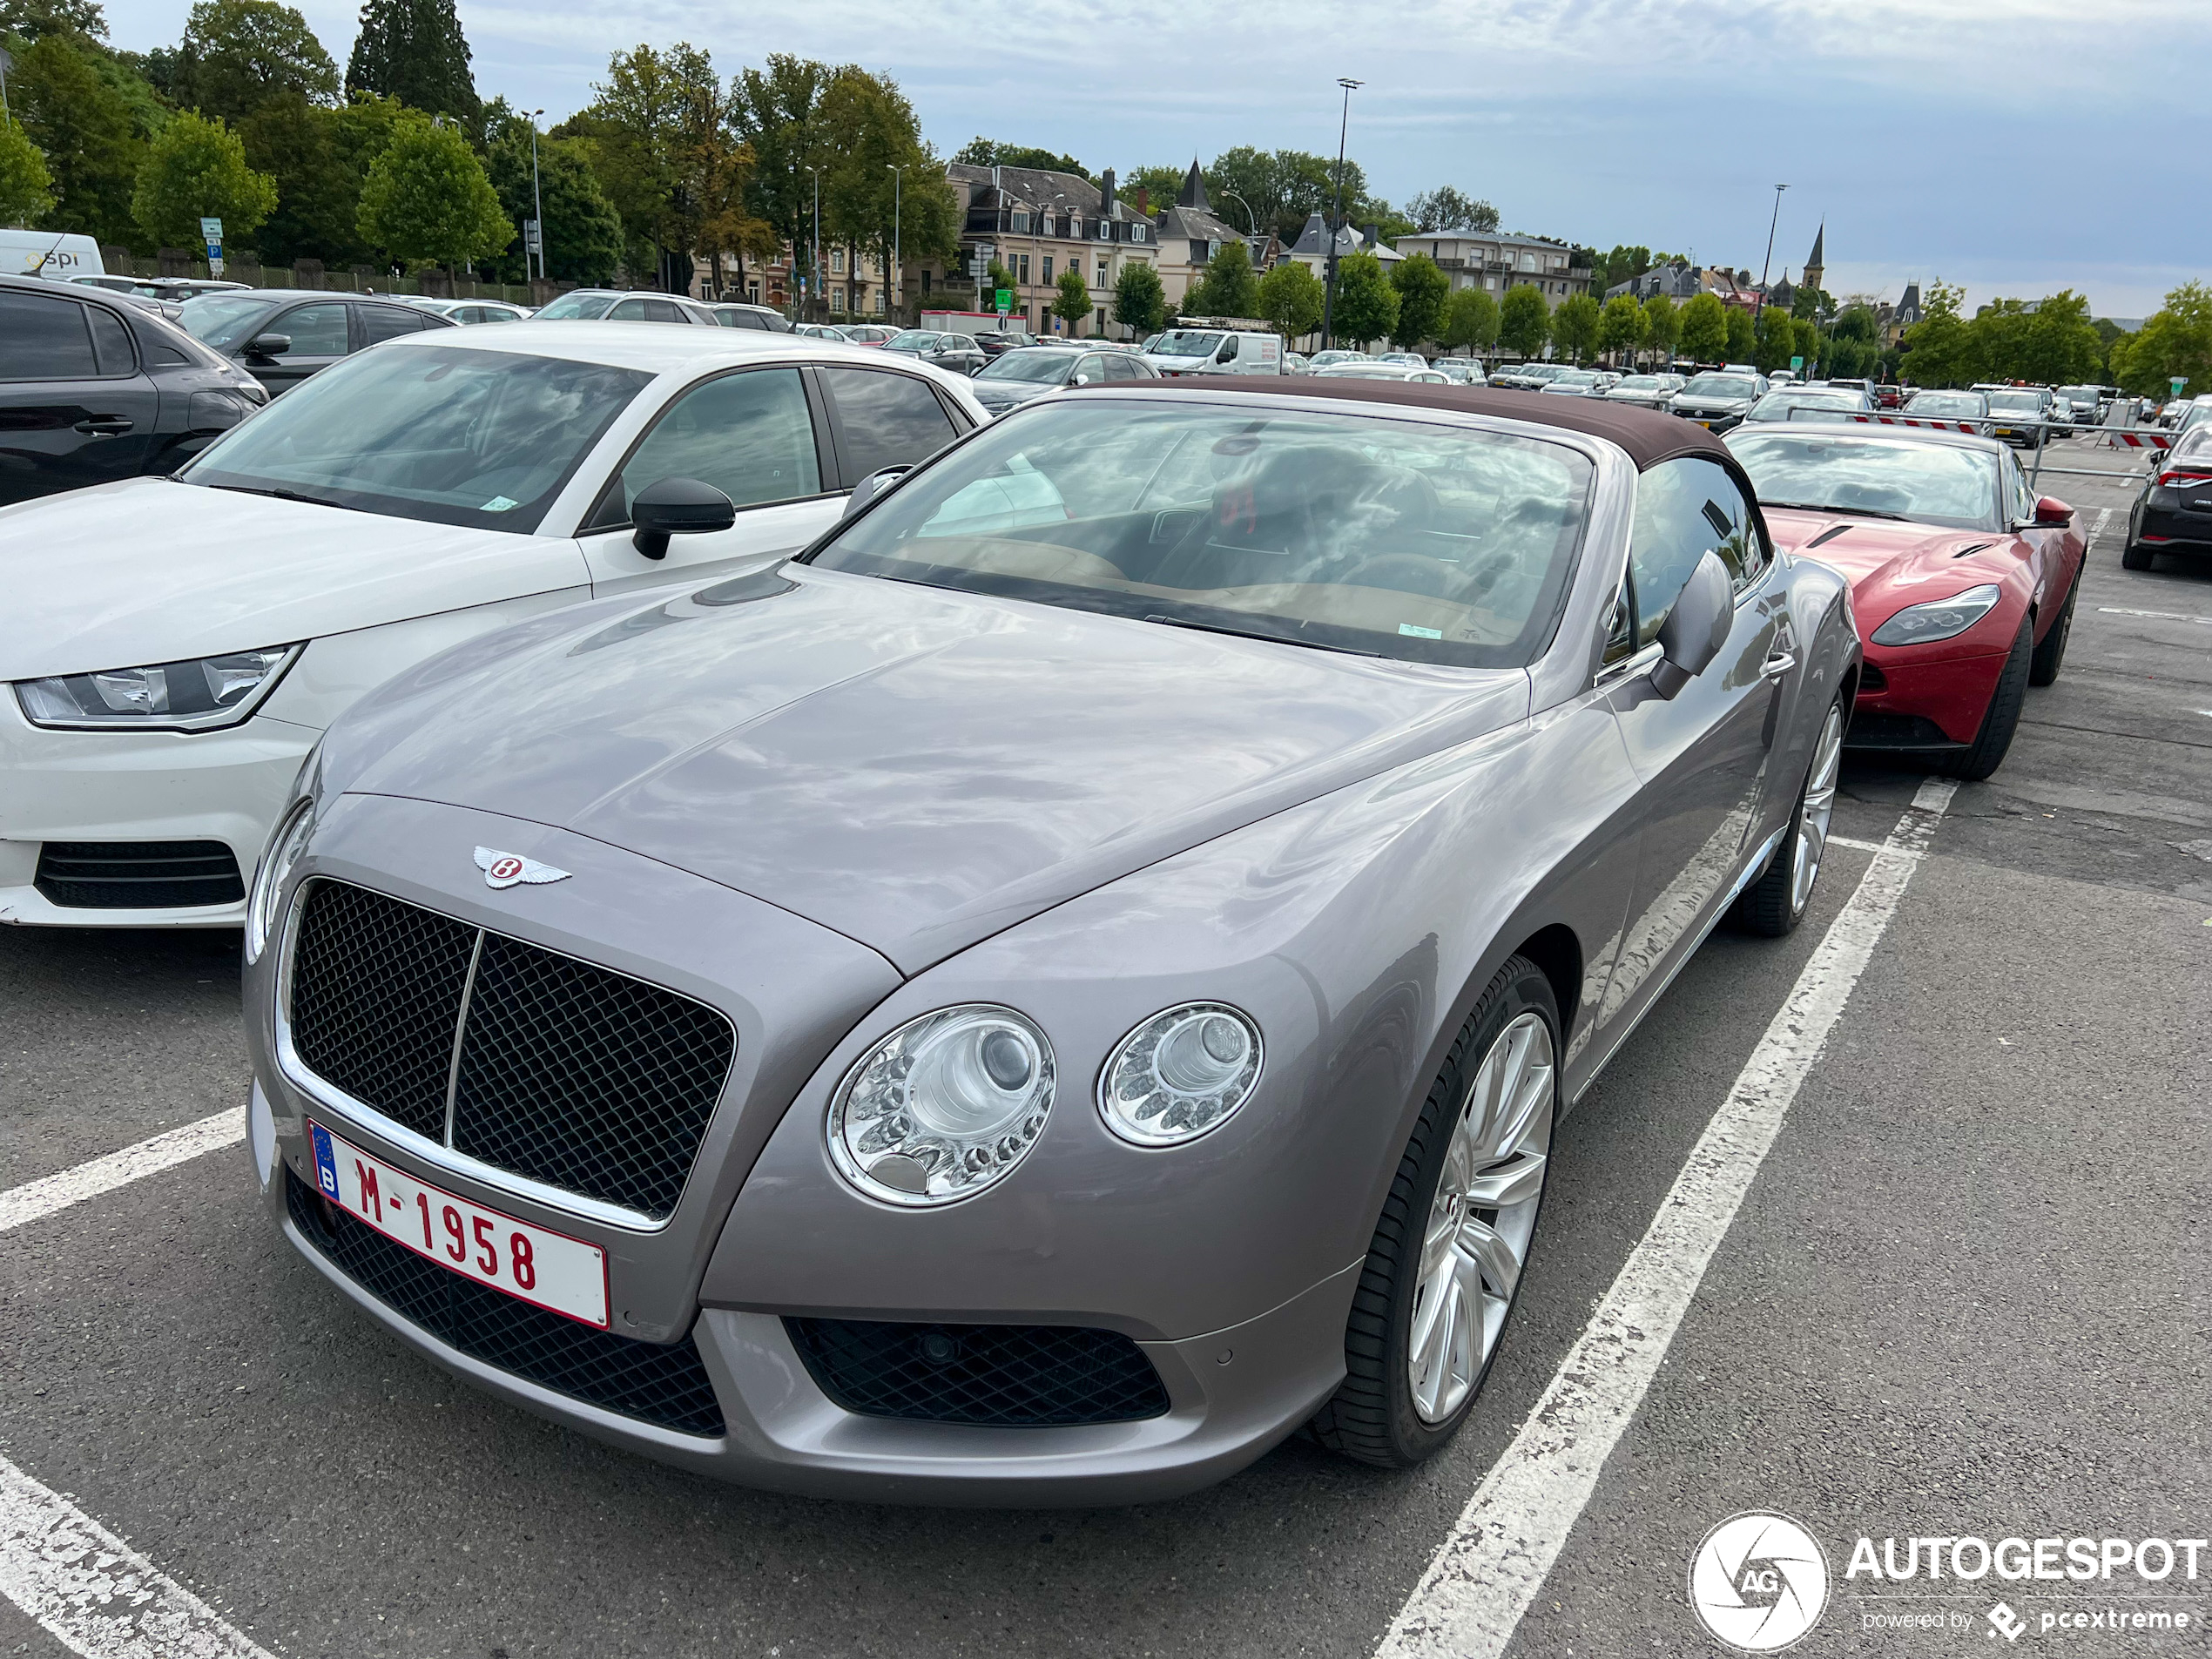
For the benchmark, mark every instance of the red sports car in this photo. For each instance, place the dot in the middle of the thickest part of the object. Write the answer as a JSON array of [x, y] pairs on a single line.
[[1962, 579]]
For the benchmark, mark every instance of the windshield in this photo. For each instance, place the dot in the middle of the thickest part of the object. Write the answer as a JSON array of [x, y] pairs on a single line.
[[2026, 402], [1728, 386], [1638, 383], [912, 340], [583, 306], [223, 320], [1037, 365], [430, 432], [1348, 532], [1947, 403], [1776, 406], [1931, 483], [1364, 372], [1187, 342], [2079, 394], [1576, 377]]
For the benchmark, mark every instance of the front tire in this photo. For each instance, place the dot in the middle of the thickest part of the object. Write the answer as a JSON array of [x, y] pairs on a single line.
[[1987, 750], [1776, 903], [1445, 1267], [2043, 669]]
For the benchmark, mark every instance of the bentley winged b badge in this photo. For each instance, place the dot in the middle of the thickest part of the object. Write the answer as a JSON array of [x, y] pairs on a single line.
[[506, 869]]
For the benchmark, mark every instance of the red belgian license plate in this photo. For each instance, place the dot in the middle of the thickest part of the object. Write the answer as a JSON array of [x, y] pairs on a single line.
[[529, 1263]]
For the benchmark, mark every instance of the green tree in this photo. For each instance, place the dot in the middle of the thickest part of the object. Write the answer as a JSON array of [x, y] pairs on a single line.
[[1620, 326], [296, 144], [1290, 298], [238, 55], [582, 233], [1423, 291], [197, 168], [2052, 344], [1367, 305], [1446, 209], [1576, 324], [1071, 304], [1524, 320], [1281, 186], [1775, 337], [26, 188], [1939, 349], [869, 127], [84, 129], [1625, 262], [1743, 335], [427, 201], [1159, 185], [1140, 304], [413, 51], [2174, 341], [1703, 328], [989, 152], [1662, 325], [33, 20], [1229, 288], [777, 110], [1470, 321]]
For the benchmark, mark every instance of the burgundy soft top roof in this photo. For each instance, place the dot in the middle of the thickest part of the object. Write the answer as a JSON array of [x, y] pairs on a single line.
[[1649, 437]]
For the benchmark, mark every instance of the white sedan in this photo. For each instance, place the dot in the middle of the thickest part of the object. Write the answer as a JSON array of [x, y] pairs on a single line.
[[176, 645]]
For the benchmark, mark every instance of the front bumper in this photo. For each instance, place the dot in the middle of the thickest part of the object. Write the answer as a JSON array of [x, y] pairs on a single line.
[[225, 786], [1922, 703], [1244, 1355]]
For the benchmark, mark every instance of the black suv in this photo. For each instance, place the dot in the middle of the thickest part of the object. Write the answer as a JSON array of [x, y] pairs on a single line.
[[93, 387], [282, 335]]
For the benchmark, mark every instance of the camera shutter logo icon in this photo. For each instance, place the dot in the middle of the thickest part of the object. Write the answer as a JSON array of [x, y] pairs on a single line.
[[1758, 1582]]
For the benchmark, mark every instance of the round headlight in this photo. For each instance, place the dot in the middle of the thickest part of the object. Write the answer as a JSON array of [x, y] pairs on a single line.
[[1180, 1074], [285, 847], [942, 1108]]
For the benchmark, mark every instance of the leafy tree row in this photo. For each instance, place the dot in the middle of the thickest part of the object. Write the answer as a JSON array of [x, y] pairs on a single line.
[[2054, 341]]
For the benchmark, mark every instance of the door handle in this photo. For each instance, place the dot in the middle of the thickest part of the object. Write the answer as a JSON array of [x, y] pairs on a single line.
[[105, 426], [1778, 664]]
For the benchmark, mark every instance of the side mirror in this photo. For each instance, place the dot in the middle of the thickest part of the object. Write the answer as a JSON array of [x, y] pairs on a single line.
[[2052, 512], [1697, 628], [1227, 354], [268, 345], [871, 486], [676, 507]]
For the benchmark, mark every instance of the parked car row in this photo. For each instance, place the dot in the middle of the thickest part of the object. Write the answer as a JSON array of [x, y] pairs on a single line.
[[927, 786]]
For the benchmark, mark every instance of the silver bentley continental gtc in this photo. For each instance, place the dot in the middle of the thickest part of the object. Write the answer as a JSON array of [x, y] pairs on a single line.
[[1070, 980]]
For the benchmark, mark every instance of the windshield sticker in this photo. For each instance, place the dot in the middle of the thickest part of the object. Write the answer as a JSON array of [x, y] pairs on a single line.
[[500, 504], [1411, 632]]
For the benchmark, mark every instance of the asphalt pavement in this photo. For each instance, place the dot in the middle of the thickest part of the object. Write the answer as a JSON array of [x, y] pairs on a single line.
[[1965, 1296]]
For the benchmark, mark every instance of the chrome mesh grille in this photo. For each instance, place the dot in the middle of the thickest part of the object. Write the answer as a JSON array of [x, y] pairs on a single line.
[[1012, 1376], [570, 1075]]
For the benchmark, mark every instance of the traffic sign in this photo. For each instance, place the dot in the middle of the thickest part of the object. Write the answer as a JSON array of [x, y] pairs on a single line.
[[1796, 365], [1005, 300], [533, 236], [211, 231], [2179, 382]]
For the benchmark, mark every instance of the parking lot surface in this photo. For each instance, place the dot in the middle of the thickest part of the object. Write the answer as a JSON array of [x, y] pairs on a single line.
[[1964, 1295]]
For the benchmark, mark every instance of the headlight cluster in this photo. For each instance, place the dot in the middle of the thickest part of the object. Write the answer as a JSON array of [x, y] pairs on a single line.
[[190, 696], [277, 861], [1938, 618], [950, 1103]]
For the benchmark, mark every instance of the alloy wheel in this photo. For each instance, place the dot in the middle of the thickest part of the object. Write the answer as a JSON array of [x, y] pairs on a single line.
[[1482, 1217], [1819, 807]]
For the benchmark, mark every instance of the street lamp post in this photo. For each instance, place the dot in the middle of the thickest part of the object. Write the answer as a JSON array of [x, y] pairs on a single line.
[[538, 199], [898, 265], [1336, 212], [815, 258], [1768, 260], [1251, 218]]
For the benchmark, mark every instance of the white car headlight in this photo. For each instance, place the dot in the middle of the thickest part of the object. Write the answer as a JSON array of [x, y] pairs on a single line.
[[1180, 1074], [944, 1107], [195, 695], [1938, 618], [277, 861]]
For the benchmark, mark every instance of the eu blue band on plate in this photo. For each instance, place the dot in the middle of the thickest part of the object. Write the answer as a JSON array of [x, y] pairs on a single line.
[[325, 1161]]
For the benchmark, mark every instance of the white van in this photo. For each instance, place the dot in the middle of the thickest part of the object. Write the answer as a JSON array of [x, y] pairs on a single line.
[[1218, 351], [52, 254]]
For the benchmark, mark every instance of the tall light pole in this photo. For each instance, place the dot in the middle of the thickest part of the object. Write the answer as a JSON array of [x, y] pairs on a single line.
[[538, 199], [1336, 212], [1768, 260], [898, 265], [816, 259], [1251, 218]]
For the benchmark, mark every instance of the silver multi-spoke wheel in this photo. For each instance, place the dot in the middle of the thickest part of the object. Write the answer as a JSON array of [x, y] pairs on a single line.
[[1484, 1212], [1819, 807]]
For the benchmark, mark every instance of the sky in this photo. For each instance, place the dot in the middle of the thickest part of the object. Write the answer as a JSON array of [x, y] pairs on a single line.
[[2013, 147]]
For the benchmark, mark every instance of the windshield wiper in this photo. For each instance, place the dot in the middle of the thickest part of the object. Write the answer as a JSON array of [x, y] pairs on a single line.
[[1830, 506], [284, 495], [1253, 633]]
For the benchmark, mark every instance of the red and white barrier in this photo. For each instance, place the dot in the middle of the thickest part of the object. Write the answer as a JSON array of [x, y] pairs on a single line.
[[1878, 417], [2114, 439]]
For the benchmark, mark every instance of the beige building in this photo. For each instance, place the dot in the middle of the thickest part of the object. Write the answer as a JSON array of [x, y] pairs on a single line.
[[1494, 261], [1039, 224]]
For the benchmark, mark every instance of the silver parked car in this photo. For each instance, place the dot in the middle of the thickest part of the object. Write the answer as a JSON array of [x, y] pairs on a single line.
[[1071, 978]]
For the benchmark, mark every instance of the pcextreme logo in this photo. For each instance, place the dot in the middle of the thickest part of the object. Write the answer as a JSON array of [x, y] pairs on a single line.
[[1758, 1582]]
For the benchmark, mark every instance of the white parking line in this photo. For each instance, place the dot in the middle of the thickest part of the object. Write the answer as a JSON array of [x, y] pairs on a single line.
[[1489, 1569], [35, 1199], [2104, 517], [95, 1593], [2156, 616]]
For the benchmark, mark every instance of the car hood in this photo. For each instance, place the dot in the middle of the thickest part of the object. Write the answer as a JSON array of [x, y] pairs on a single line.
[[914, 767], [150, 570], [1892, 564], [1008, 392]]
